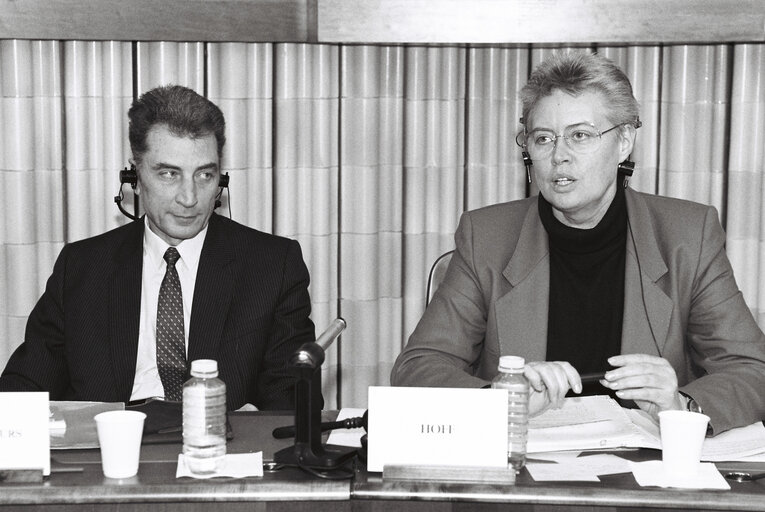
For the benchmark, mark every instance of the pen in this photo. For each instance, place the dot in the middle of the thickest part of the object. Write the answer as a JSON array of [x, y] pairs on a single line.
[[591, 377]]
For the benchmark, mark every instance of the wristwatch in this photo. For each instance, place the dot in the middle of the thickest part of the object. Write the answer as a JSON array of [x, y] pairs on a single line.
[[691, 404]]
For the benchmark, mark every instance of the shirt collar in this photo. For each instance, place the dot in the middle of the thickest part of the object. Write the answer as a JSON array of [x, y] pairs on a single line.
[[190, 250]]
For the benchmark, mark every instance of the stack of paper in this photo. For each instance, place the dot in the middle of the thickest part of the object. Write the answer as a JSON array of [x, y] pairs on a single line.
[[586, 423], [598, 422], [738, 444]]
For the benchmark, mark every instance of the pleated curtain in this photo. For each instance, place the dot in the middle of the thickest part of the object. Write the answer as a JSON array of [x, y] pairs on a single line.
[[367, 155]]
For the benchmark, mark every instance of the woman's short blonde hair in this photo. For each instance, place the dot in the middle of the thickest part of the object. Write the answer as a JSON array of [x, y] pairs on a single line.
[[578, 72]]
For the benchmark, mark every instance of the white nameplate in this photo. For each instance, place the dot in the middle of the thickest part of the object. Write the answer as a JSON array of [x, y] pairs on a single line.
[[436, 427], [24, 431]]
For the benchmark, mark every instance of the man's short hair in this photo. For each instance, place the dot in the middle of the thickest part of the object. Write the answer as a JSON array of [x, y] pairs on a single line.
[[578, 72], [182, 110]]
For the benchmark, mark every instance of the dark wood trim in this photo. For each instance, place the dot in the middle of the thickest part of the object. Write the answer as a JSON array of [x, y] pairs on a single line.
[[156, 20]]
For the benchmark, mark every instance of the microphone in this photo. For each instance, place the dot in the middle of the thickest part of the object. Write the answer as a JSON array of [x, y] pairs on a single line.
[[308, 452], [311, 354], [357, 422], [331, 333]]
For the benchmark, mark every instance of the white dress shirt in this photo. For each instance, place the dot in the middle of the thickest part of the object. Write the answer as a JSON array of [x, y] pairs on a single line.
[[147, 383]]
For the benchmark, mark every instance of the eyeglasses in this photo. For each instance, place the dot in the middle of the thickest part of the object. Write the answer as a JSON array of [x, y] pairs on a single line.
[[581, 138]]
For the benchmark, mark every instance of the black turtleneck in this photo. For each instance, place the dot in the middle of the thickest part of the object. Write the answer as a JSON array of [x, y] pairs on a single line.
[[584, 325]]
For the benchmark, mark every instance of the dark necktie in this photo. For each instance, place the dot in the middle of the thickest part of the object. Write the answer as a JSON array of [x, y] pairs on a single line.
[[171, 347]]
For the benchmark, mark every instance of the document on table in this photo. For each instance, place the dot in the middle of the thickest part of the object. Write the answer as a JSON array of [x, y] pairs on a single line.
[[580, 410], [579, 469], [743, 443], [73, 423], [585, 423], [598, 422]]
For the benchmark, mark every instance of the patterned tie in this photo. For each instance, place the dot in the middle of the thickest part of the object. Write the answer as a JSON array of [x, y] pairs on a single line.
[[171, 347]]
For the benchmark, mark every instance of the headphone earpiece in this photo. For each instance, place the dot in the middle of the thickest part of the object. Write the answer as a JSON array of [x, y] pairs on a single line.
[[129, 176], [626, 169], [223, 183], [527, 162]]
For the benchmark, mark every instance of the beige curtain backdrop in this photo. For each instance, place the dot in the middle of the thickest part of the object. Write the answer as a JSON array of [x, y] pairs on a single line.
[[365, 154]]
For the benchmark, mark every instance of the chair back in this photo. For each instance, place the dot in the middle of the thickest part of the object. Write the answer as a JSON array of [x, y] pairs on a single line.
[[436, 275]]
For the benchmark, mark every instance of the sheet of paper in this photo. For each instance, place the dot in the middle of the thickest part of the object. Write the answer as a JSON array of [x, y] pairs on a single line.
[[599, 435], [552, 456], [347, 436], [735, 444], [236, 465], [651, 473], [579, 410], [560, 473], [760, 457], [600, 464]]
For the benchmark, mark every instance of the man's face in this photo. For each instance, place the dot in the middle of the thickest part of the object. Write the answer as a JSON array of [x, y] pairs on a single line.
[[177, 183], [579, 186]]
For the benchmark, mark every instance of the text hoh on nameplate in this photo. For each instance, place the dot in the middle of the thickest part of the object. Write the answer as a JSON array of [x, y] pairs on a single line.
[[24, 431], [437, 427]]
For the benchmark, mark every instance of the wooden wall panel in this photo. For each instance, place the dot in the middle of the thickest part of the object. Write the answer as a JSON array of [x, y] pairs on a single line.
[[551, 21], [166, 20], [388, 21]]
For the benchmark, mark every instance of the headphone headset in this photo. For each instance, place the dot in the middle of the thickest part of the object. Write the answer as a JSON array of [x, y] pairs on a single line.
[[130, 176]]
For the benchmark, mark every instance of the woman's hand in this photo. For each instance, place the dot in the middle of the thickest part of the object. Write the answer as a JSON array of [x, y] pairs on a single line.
[[549, 382], [648, 380]]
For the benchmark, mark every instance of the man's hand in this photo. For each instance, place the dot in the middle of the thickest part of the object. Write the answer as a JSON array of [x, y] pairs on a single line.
[[549, 382], [648, 380]]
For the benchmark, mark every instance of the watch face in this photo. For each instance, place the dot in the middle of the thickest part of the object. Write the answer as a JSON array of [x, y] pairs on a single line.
[[693, 406]]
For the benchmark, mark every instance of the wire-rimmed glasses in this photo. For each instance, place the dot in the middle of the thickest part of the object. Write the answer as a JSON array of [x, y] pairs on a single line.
[[581, 138]]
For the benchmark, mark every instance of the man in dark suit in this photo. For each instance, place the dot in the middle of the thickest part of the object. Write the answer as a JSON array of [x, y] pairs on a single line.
[[109, 325]]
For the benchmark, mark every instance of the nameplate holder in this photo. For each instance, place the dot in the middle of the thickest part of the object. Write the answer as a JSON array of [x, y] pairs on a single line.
[[436, 427], [24, 434], [456, 474]]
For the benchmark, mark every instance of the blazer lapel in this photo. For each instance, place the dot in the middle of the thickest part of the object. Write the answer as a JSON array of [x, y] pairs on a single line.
[[647, 309], [125, 308], [212, 293], [522, 312]]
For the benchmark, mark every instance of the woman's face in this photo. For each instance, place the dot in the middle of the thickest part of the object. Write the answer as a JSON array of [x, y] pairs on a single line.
[[580, 186]]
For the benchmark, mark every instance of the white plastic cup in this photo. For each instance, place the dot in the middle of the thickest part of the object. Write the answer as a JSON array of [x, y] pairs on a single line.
[[119, 435], [682, 438]]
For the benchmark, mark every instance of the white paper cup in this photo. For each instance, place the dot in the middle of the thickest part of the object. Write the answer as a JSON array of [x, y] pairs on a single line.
[[119, 434], [682, 437]]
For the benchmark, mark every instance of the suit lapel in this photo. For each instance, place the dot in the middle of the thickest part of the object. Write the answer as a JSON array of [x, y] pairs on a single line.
[[522, 312], [125, 308], [647, 309], [212, 293]]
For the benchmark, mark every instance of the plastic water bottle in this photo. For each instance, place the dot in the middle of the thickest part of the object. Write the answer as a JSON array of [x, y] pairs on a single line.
[[511, 378], [204, 418]]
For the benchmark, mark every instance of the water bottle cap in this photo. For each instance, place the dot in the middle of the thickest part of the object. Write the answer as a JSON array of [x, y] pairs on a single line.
[[511, 363], [204, 368]]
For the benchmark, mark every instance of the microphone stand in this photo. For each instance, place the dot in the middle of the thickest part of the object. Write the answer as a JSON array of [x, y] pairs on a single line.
[[308, 451]]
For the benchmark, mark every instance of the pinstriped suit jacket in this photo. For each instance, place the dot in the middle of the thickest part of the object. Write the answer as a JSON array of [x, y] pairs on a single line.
[[250, 313], [681, 302]]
